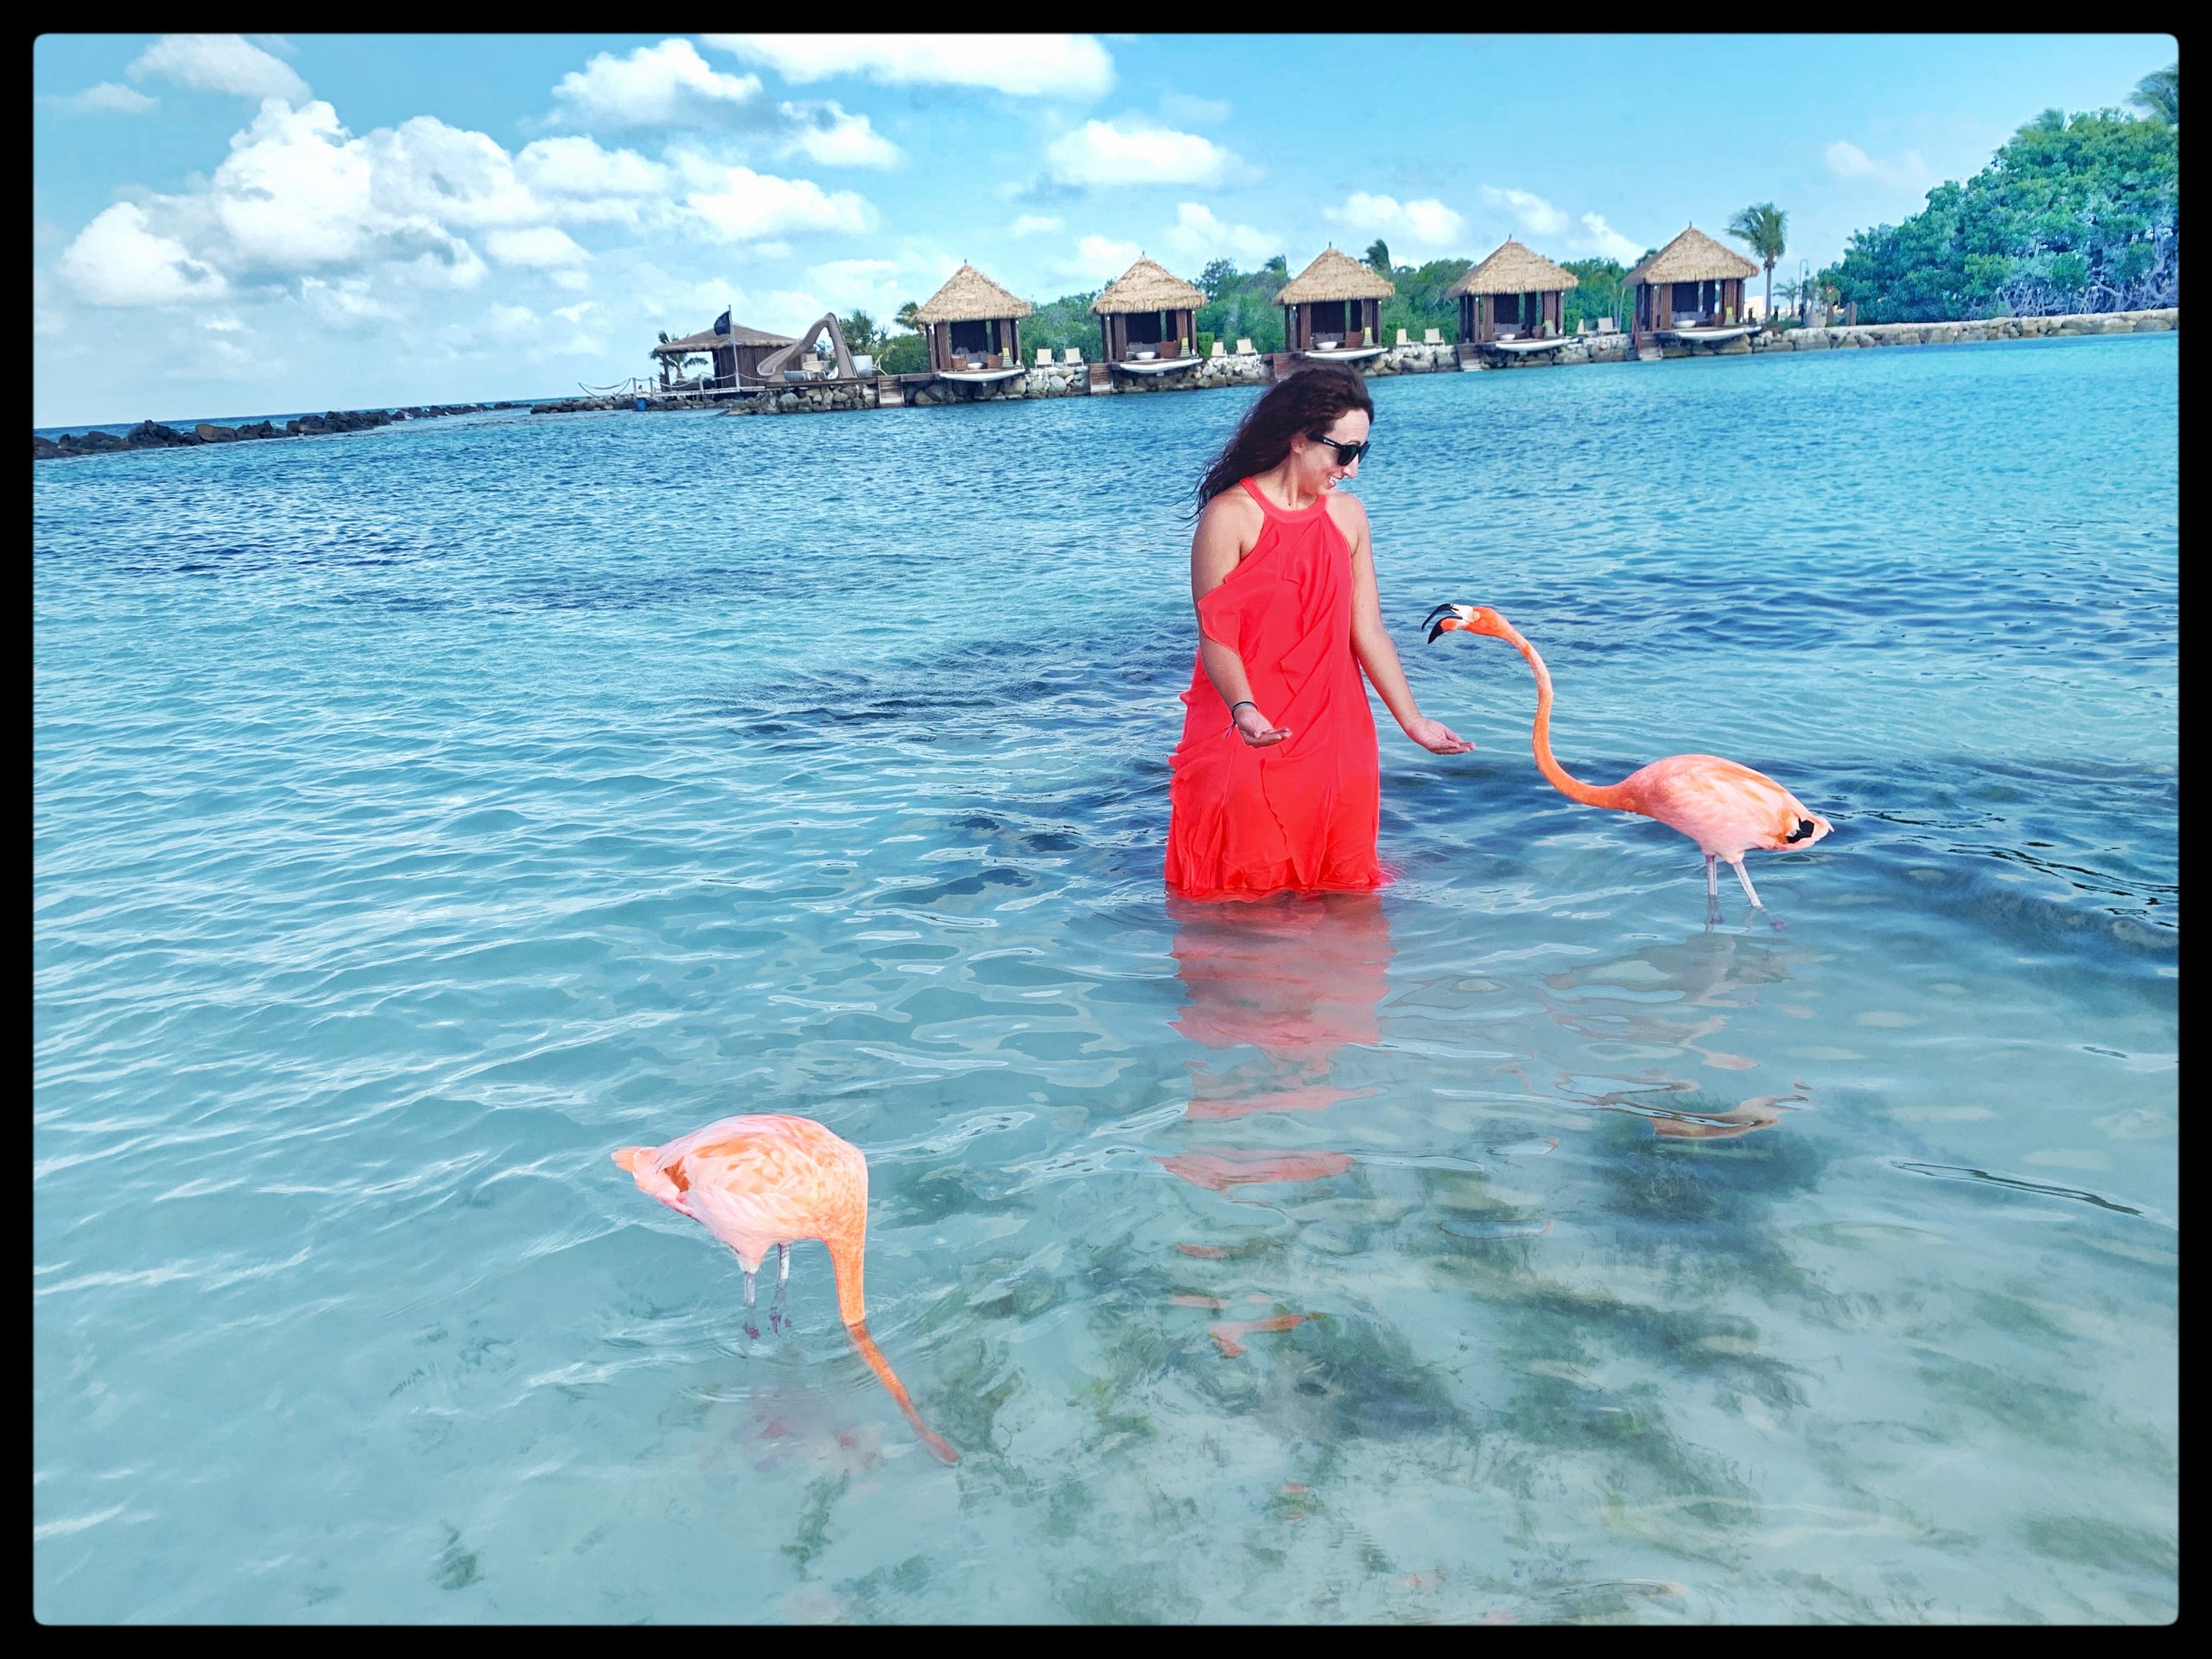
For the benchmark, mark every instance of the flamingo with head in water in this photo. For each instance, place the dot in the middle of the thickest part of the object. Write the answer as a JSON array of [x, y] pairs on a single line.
[[1726, 808], [756, 1181]]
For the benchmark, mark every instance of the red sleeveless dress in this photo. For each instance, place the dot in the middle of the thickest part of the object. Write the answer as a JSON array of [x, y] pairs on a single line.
[[1298, 816]]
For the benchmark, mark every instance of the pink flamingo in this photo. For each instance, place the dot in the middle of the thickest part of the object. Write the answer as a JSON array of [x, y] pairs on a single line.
[[760, 1180], [1724, 807]]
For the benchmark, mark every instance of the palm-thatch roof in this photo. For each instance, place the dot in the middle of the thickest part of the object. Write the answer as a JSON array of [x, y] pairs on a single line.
[[1692, 256], [1335, 274], [1148, 286], [968, 296], [708, 339], [1514, 270]]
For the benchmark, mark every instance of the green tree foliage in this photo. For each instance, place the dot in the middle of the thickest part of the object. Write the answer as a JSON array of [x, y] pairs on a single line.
[[2159, 91], [2069, 215], [1240, 304], [860, 332], [1378, 254], [903, 354], [1061, 323], [1419, 303], [1762, 227], [1601, 291]]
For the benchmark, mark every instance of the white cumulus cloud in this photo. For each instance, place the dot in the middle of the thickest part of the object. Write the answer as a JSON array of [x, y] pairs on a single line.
[[220, 63], [1100, 259], [541, 247], [345, 301], [117, 260], [1200, 238], [1608, 242], [826, 134], [1425, 224], [109, 98], [745, 206], [1907, 171], [1531, 213], [668, 85], [1037, 224], [1022, 66], [1130, 150]]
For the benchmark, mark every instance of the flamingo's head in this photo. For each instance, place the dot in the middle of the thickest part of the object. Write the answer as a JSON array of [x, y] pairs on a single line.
[[652, 1180], [1467, 618], [1809, 827]]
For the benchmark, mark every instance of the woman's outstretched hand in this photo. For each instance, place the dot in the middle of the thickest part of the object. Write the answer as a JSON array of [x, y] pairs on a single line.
[[1436, 737], [1255, 729]]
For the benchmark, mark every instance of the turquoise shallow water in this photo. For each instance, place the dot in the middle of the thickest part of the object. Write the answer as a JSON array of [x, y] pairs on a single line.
[[421, 814]]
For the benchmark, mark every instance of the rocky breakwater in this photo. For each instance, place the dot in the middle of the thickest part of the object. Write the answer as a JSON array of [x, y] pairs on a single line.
[[804, 398], [1965, 332], [1207, 374], [1416, 359], [153, 435], [1575, 349]]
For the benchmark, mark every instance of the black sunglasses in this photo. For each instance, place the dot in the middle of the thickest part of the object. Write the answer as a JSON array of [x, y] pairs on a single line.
[[1347, 453]]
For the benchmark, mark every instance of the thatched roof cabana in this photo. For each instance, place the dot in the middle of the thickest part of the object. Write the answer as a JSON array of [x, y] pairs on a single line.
[[1148, 317], [708, 339], [1335, 274], [1516, 293], [1146, 286], [1692, 256], [972, 320], [1694, 286], [736, 349], [1333, 308]]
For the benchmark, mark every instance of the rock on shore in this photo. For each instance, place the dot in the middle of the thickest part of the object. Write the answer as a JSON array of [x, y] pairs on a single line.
[[153, 435]]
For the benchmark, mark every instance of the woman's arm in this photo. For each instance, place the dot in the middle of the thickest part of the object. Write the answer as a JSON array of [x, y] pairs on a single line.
[[1219, 543], [1371, 642]]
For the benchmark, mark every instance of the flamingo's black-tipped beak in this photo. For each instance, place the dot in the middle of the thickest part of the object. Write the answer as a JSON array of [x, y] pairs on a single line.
[[1450, 615]]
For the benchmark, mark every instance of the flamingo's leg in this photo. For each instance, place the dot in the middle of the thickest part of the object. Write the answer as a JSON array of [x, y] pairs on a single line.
[[1712, 893], [776, 1320], [751, 1329], [1744, 876]]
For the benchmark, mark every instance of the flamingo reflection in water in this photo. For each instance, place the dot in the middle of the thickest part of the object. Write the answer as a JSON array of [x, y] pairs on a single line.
[[1671, 997]]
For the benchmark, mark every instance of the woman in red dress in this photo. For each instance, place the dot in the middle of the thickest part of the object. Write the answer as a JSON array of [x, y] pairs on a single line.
[[1276, 785]]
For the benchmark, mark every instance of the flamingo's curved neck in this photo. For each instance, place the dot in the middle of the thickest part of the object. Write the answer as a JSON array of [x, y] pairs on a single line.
[[845, 1256], [1573, 788]]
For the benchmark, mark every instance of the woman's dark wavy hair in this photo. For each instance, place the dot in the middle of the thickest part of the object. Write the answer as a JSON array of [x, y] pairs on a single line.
[[1309, 401]]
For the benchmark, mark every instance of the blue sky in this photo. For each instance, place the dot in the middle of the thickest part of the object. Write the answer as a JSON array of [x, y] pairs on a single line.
[[226, 224]]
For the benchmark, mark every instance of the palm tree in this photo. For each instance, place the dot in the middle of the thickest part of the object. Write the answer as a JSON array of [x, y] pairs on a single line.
[[1761, 227], [904, 316], [1378, 254], [2160, 93]]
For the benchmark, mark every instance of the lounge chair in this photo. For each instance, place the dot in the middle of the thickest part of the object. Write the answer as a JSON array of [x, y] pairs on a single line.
[[1244, 348], [1070, 356], [1431, 337], [1220, 350]]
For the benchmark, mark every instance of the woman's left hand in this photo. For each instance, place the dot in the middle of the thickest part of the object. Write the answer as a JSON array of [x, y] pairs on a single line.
[[1436, 737]]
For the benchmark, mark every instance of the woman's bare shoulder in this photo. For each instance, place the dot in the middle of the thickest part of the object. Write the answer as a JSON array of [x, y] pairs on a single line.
[[1232, 514], [1351, 515]]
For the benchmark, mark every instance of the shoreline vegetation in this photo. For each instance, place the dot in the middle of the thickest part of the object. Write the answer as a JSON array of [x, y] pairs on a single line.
[[1255, 369]]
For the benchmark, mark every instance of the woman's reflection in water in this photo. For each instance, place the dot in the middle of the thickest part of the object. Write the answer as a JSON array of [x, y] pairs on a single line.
[[1298, 980]]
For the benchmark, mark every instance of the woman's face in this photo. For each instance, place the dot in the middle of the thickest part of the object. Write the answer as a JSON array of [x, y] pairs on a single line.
[[1319, 467]]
